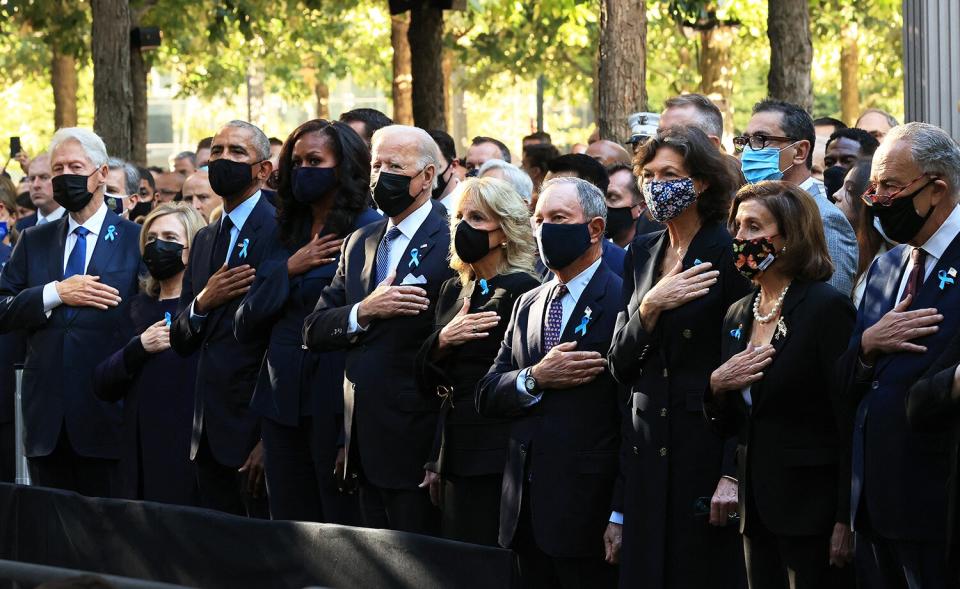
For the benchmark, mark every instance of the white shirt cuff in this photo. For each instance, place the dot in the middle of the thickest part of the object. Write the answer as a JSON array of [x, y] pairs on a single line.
[[616, 517], [51, 298], [353, 325], [195, 315]]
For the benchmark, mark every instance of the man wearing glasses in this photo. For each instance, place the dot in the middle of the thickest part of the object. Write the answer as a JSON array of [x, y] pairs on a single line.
[[906, 319], [778, 145]]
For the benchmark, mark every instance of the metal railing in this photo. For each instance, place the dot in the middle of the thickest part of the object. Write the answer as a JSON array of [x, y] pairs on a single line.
[[23, 475]]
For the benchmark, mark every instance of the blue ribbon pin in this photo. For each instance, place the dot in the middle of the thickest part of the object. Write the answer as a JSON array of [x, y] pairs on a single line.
[[584, 321], [243, 248], [167, 318], [945, 279], [484, 287], [111, 233], [414, 258], [735, 333], [697, 262]]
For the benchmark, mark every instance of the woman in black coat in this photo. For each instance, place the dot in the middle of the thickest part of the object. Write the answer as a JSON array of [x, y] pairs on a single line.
[[679, 284], [775, 391], [155, 383], [493, 252], [324, 172]]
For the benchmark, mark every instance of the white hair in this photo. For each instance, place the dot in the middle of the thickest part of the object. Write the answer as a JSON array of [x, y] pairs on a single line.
[[93, 147], [513, 175], [591, 198], [428, 152], [932, 149], [131, 177], [261, 142]]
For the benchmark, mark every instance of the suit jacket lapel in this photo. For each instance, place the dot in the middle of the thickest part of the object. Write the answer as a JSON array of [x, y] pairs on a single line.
[[421, 245], [930, 293], [535, 323], [591, 298], [645, 253], [796, 294], [55, 261], [105, 248]]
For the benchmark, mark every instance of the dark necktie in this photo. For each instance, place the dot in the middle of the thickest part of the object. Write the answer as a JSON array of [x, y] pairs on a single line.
[[222, 244], [383, 254], [918, 257], [551, 336]]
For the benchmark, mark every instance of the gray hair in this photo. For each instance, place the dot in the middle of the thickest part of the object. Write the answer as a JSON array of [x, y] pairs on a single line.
[[591, 199], [89, 141], [187, 155], [932, 149], [514, 176], [428, 152], [891, 120], [708, 117], [131, 177], [260, 141]]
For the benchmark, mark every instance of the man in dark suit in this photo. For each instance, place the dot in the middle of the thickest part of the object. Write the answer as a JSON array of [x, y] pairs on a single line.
[[66, 284], [226, 444], [551, 374], [906, 318], [380, 309], [39, 179]]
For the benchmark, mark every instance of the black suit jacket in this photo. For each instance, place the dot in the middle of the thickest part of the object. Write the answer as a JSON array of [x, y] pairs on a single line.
[[565, 447], [27, 222], [388, 425], [227, 369], [793, 459], [63, 350]]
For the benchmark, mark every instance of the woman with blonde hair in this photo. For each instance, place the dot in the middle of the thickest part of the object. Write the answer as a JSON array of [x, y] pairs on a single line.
[[156, 384], [493, 252]]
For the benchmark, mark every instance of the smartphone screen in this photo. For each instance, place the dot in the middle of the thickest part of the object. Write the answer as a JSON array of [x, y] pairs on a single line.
[[15, 146]]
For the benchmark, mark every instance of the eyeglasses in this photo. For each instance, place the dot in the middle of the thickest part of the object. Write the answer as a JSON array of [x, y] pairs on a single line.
[[757, 141], [870, 197]]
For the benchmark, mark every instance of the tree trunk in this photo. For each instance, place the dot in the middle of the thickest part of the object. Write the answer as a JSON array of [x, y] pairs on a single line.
[[426, 65], [112, 94], [139, 71], [63, 78], [717, 71], [322, 92], [849, 79], [622, 65], [402, 78], [791, 52]]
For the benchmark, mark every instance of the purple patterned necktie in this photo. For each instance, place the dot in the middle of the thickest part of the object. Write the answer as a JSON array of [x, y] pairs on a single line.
[[551, 336]]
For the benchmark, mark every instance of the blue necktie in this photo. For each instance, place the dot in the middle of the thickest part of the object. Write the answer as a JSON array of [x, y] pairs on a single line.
[[78, 255], [383, 254]]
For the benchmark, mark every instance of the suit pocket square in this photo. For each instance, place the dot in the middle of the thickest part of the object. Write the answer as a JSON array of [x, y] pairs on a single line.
[[410, 279]]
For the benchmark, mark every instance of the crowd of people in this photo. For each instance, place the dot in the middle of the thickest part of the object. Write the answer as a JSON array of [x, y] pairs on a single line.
[[657, 363]]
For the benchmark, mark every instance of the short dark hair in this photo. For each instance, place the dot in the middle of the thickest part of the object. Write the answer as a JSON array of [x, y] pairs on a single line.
[[156, 169], [373, 120], [275, 141], [585, 168], [703, 161], [797, 124], [710, 118], [205, 143], [539, 155], [634, 187], [23, 201], [829, 121], [868, 143], [504, 152], [445, 142], [146, 175], [541, 136]]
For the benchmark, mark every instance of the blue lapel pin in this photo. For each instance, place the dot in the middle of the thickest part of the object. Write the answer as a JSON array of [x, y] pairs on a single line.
[[111, 233], [244, 246], [584, 321], [697, 262], [167, 318], [484, 287], [414, 258], [947, 277], [735, 333]]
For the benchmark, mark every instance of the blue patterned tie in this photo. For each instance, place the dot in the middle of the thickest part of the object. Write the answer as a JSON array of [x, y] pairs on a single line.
[[383, 254], [551, 336], [77, 260]]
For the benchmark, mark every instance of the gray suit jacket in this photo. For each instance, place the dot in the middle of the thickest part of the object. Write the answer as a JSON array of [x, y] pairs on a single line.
[[841, 240]]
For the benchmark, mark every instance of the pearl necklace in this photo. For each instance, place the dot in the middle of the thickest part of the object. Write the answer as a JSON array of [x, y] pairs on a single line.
[[773, 312]]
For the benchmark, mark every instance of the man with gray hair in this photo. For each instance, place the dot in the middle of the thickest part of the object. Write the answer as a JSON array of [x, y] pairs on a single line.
[[185, 163], [380, 309], [67, 284], [123, 185], [693, 110], [908, 316], [510, 174], [551, 376]]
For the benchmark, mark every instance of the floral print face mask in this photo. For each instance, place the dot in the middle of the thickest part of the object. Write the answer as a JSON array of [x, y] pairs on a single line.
[[753, 256], [666, 199]]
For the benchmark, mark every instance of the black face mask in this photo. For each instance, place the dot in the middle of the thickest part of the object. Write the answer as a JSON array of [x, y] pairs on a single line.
[[229, 178], [141, 209], [70, 191], [392, 193], [441, 183], [472, 244], [310, 185], [474, 172], [619, 219], [833, 179], [560, 245], [900, 221], [164, 259]]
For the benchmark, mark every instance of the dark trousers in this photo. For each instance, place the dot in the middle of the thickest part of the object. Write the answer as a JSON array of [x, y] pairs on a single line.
[[471, 508], [300, 481], [65, 469], [406, 510], [539, 570], [8, 449], [225, 489], [883, 563], [791, 562]]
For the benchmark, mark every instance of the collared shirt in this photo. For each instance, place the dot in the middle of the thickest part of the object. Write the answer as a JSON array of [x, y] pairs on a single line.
[[51, 298], [935, 247], [55, 215], [814, 187], [408, 228], [452, 200]]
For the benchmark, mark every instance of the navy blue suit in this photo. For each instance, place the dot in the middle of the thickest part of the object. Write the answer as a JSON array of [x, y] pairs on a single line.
[[62, 350], [898, 490], [26, 222], [12, 348]]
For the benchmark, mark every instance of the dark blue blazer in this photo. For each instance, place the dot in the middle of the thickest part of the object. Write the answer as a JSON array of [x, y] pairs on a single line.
[[899, 475], [12, 348], [395, 423], [63, 350], [227, 369], [565, 447], [26, 222]]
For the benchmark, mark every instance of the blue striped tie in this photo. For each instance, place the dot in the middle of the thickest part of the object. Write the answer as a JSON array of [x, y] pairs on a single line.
[[383, 254]]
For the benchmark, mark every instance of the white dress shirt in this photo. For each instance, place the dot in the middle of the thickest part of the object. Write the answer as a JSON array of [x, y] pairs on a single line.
[[935, 247], [51, 298], [55, 215]]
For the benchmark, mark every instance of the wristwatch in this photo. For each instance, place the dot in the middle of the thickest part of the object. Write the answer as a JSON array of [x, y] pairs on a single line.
[[529, 382]]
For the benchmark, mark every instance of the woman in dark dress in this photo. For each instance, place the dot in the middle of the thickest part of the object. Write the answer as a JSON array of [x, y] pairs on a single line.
[[679, 486], [776, 393], [324, 172], [156, 384], [493, 251]]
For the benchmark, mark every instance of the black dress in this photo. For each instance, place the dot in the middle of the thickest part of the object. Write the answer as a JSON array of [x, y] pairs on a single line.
[[671, 457], [470, 450], [157, 394]]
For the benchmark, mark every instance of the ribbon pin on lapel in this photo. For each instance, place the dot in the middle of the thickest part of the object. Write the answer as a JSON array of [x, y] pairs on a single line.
[[414, 258], [697, 262], [947, 277], [243, 248], [484, 287], [735, 333], [111, 233], [584, 321], [167, 318]]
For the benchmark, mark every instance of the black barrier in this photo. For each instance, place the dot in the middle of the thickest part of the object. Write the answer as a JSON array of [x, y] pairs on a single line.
[[28, 575], [200, 548]]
